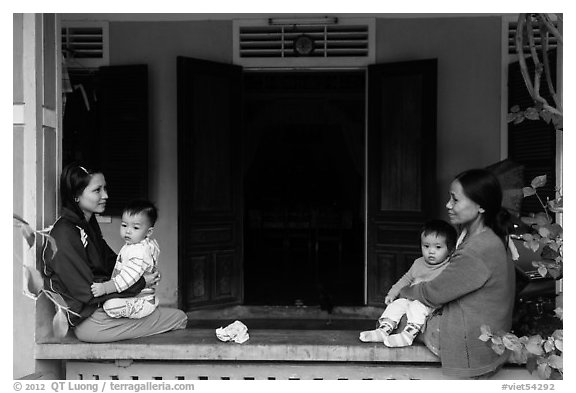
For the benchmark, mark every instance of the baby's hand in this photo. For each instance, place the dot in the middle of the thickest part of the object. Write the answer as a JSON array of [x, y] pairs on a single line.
[[98, 289], [389, 299]]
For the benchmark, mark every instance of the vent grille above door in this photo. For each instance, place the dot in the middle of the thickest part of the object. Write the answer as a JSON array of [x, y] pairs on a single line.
[[86, 43], [538, 37], [328, 40], [349, 42]]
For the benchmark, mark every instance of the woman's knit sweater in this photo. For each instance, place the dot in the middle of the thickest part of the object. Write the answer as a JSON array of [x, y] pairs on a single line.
[[475, 289]]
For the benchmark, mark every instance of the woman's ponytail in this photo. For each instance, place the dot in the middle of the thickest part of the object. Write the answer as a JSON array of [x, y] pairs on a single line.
[[502, 224]]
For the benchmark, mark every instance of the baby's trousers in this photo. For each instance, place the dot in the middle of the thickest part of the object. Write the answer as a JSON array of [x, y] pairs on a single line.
[[130, 307], [415, 311]]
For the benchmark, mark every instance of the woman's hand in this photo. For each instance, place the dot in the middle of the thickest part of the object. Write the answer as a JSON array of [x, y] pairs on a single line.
[[152, 279]]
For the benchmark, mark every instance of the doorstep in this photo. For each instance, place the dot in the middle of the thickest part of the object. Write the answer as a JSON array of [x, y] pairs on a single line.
[[264, 345]]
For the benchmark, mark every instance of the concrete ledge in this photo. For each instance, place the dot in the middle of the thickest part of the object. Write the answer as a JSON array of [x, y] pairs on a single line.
[[263, 345]]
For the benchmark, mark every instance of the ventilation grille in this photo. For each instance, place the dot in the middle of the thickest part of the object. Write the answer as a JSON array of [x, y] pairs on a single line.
[[329, 41], [83, 42], [538, 37]]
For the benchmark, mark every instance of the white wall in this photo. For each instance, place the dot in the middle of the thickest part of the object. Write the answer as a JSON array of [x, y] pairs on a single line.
[[469, 86], [158, 44], [469, 98]]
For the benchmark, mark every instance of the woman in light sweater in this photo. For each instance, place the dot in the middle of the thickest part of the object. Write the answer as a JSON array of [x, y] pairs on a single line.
[[477, 287]]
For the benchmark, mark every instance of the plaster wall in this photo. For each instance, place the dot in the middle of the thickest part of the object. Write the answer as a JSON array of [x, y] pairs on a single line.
[[469, 86], [469, 99], [158, 44]]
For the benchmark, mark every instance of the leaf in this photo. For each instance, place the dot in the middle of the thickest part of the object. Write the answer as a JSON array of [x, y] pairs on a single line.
[[511, 117], [484, 337], [538, 181], [518, 357], [542, 271], [19, 219], [546, 115], [519, 118], [498, 348], [549, 345], [512, 342], [485, 330], [534, 345], [56, 299], [555, 230], [544, 371], [528, 191], [496, 340], [556, 362], [544, 232], [559, 312], [541, 219], [532, 114], [52, 243], [550, 251], [558, 334], [60, 323], [559, 345], [531, 364], [33, 282], [558, 120], [28, 234], [556, 205], [554, 273], [515, 109]]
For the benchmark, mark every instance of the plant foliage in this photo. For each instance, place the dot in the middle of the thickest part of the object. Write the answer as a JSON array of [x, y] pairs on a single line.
[[541, 353], [33, 286]]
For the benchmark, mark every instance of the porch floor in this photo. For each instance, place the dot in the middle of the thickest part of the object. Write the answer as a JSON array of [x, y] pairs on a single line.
[[264, 345], [307, 341]]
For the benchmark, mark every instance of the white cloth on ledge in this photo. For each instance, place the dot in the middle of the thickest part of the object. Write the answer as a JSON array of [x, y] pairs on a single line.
[[236, 331]]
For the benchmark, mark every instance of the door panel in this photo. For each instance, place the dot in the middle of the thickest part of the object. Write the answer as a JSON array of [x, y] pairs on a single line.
[[401, 167], [210, 195]]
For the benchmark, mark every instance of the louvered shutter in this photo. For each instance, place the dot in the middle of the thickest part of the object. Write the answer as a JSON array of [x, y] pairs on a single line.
[[512, 27], [532, 143], [123, 103]]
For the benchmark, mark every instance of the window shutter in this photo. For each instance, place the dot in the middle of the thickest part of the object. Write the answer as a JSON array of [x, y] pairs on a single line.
[[532, 143], [123, 103]]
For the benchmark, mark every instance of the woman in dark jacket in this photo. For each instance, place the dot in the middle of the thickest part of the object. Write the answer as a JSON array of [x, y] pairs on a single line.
[[84, 257], [477, 287]]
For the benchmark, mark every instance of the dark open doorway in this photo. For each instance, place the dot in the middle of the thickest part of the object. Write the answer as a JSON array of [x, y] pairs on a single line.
[[303, 161]]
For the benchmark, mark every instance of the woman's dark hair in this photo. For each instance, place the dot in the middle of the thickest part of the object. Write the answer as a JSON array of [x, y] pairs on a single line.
[[73, 180], [482, 187], [441, 228]]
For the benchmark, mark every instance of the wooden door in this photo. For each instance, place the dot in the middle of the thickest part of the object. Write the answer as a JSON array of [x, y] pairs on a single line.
[[401, 168], [210, 194]]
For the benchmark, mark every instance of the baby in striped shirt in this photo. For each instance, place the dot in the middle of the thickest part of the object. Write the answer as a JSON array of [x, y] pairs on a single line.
[[137, 257]]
